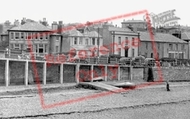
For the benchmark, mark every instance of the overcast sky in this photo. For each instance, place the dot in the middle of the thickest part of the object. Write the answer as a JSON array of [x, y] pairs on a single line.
[[70, 11]]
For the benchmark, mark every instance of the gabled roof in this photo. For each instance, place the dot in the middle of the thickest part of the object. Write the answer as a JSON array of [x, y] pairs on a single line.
[[185, 36], [92, 34], [30, 26], [160, 37], [74, 32]]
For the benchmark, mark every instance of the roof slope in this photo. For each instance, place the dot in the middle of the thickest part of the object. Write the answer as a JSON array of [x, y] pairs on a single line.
[[185, 35], [30, 26], [160, 37]]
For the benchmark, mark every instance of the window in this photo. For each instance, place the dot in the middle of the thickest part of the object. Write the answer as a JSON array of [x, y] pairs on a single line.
[[86, 41], [126, 41], [171, 55], [146, 45], [80, 41], [57, 48], [16, 46], [17, 35], [41, 48], [152, 55], [41, 36], [37, 35], [46, 36], [133, 52], [181, 55], [158, 45], [30, 36], [75, 41], [57, 38], [46, 47], [22, 35], [93, 41], [182, 47], [119, 51], [176, 46], [12, 35], [170, 47], [119, 40]]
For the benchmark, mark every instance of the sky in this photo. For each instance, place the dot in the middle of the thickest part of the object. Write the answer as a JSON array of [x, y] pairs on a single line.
[[72, 11]]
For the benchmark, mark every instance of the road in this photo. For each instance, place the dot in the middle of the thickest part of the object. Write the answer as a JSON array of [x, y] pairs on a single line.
[[146, 103]]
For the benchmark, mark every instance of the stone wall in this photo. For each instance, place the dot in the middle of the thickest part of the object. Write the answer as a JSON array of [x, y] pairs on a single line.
[[173, 73], [17, 72], [2, 72], [137, 74], [112, 74], [69, 73], [124, 73]]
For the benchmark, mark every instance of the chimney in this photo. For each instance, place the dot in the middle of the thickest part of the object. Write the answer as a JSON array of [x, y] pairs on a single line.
[[23, 21], [54, 25], [44, 19], [60, 23], [16, 23]]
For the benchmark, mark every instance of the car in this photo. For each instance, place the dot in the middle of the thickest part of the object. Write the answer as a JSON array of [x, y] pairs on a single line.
[[138, 61], [150, 62], [78, 59], [125, 61]]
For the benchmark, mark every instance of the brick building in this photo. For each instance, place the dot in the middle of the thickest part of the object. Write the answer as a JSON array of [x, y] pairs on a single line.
[[40, 37], [119, 40], [166, 45]]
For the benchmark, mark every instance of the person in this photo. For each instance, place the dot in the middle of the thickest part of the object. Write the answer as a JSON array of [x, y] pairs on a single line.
[[167, 85]]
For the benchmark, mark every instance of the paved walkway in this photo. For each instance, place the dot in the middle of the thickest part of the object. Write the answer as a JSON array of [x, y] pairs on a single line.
[[34, 87]]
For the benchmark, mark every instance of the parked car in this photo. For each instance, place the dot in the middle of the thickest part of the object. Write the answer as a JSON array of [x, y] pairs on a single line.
[[78, 59], [138, 61], [172, 61], [125, 61], [150, 62]]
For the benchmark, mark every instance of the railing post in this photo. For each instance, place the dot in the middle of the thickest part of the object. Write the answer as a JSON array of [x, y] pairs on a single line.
[[7, 69], [92, 72], [44, 72], [61, 73], [106, 73], [26, 73], [77, 73], [118, 73]]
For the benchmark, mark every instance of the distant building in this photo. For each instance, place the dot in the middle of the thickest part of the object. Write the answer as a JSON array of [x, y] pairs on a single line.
[[135, 25], [119, 40], [166, 45], [82, 40], [39, 34]]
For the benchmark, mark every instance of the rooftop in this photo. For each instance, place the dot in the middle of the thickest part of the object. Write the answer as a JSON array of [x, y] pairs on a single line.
[[160, 37], [30, 26], [185, 36]]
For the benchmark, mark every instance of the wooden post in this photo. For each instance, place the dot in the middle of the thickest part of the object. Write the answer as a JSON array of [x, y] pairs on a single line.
[[7, 73], [119, 73], [106, 73], [61, 73], [77, 74], [92, 73], [44, 72], [131, 73], [26, 73]]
